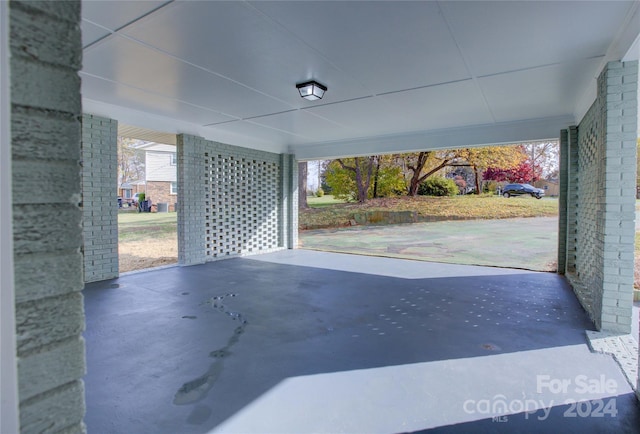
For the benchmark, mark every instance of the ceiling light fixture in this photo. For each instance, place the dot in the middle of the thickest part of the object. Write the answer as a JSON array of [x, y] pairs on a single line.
[[311, 90]]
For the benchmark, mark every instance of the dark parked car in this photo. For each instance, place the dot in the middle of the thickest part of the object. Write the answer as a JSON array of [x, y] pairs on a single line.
[[518, 189]]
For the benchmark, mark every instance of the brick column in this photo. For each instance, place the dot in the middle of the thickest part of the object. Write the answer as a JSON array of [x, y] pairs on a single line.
[[605, 228], [288, 227], [618, 86], [46, 53], [572, 198], [99, 193], [194, 200], [562, 202], [293, 214]]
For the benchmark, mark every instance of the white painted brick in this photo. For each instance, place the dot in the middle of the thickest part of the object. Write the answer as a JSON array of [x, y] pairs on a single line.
[[99, 186]]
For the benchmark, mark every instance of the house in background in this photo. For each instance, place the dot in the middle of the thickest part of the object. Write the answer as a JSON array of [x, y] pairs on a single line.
[[127, 190], [161, 184], [551, 187]]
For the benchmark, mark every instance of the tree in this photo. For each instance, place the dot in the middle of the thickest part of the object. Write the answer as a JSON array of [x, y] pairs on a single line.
[[388, 179], [541, 161], [543, 157], [130, 161], [389, 182], [340, 182], [302, 185], [480, 159], [362, 168], [350, 178], [522, 174], [424, 164], [341, 177]]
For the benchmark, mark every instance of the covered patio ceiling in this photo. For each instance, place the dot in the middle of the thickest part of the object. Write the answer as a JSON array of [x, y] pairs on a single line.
[[400, 75]]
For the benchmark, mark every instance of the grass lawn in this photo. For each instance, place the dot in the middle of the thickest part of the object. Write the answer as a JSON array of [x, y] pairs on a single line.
[[146, 240], [430, 208], [135, 226], [321, 202]]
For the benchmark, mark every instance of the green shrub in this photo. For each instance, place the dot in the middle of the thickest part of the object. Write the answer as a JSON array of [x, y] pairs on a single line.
[[490, 186], [320, 192], [438, 186]]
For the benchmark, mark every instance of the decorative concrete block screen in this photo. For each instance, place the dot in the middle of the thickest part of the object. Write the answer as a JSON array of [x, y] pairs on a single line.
[[588, 265], [242, 198], [232, 201], [601, 200], [45, 145], [99, 205]]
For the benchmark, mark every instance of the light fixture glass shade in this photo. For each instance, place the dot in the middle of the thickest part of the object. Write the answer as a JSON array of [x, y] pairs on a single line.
[[311, 90]]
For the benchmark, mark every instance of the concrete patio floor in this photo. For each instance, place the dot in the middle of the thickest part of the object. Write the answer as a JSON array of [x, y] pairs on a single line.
[[303, 341]]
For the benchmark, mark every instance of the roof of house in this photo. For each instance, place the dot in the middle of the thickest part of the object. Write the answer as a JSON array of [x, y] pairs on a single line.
[[154, 146], [130, 184]]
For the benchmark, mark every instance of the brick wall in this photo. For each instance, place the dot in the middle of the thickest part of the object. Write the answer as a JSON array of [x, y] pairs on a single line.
[[603, 213], [160, 191], [572, 198], [99, 204], [45, 142], [233, 201], [562, 202]]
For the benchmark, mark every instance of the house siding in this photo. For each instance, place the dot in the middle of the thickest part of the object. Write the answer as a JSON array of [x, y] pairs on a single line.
[[158, 166]]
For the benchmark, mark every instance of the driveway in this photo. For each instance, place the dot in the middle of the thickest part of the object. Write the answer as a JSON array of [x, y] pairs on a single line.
[[528, 243]]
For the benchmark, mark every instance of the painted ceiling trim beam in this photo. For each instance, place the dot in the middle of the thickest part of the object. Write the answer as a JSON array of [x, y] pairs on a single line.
[[479, 135], [163, 124]]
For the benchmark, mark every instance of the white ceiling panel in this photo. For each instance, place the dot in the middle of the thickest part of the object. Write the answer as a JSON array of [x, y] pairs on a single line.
[[376, 116], [97, 89], [114, 15], [498, 37], [304, 124], [132, 64], [435, 107], [394, 69], [544, 92], [388, 46], [257, 53], [91, 33]]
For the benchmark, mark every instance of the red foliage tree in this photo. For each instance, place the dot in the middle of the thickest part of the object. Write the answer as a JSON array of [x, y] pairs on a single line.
[[524, 173], [494, 174]]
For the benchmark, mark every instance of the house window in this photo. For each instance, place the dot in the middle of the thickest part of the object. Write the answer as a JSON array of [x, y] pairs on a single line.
[[174, 159], [127, 193], [174, 188]]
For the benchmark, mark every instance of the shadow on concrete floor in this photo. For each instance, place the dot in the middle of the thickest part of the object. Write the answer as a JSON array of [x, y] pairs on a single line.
[[301, 341]]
